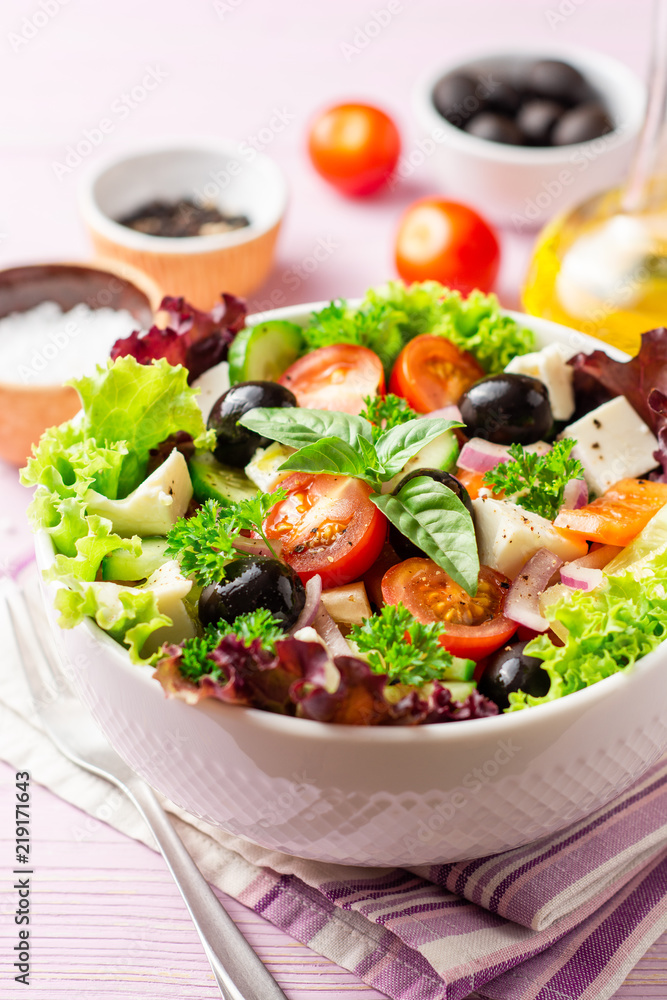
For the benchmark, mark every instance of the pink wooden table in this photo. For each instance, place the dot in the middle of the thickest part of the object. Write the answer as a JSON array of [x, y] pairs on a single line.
[[108, 921]]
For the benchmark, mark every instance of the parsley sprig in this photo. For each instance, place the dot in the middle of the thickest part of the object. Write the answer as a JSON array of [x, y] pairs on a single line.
[[204, 543], [386, 412], [383, 643], [536, 482], [259, 624]]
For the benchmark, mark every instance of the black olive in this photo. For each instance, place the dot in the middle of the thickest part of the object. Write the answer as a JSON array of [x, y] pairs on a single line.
[[511, 670], [504, 97], [537, 119], [495, 127], [506, 408], [406, 549], [457, 96], [557, 81], [235, 444], [581, 124], [251, 583]]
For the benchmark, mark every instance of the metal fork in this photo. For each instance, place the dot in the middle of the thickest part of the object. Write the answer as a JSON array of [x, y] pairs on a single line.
[[238, 971]]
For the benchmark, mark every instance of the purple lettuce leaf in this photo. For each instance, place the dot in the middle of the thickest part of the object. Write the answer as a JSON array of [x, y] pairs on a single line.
[[443, 708], [192, 338], [293, 681]]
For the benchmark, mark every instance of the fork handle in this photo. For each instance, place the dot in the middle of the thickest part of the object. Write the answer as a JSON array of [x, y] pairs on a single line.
[[239, 972]]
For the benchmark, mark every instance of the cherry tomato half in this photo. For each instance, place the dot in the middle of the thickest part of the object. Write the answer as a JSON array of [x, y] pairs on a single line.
[[327, 525], [475, 626], [335, 378], [355, 147], [431, 372], [447, 242]]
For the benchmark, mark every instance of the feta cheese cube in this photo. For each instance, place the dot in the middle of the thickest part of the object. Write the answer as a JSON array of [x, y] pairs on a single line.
[[264, 467], [550, 367], [156, 504], [613, 443], [508, 535]]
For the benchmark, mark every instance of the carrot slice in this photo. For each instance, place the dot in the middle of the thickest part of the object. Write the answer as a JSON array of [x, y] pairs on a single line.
[[473, 481], [618, 515]]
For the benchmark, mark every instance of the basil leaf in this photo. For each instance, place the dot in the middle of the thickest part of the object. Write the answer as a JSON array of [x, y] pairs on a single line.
[[330, 455], [434, 518], [399, 444], [297, 427]]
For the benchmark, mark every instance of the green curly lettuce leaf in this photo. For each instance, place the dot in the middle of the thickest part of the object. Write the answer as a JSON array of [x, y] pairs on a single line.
[[140, 405], [609, 628], [130, 615], [128, 409]]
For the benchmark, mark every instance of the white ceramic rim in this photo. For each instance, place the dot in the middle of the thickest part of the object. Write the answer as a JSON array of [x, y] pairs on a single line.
[[121, 235], [621, 81], [463, 731]]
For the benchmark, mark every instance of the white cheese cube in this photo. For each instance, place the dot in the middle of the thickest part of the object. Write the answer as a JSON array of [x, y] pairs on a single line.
[[613, 443], [156, 504], [550, 367], [508, 535], [263, 468], [170, 587], [211, 386]]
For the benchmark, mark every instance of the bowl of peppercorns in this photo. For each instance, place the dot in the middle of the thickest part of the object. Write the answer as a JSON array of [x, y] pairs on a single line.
[[196, 215], [524, 134]]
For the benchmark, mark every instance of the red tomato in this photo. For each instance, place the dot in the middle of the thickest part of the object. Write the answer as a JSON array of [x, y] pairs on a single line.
[[475, 626], [335, 378], [327, 525], [355, 147], [447, 242], [431, 372]]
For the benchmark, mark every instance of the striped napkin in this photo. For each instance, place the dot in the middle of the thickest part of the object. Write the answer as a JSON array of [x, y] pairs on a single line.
[[564, 918]]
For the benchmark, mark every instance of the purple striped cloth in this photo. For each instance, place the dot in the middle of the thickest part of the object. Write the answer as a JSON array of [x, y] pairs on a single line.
[[565, 917]]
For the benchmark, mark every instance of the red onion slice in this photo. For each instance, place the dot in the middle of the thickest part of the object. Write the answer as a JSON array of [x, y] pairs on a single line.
[[450, 412], [522, 604], [585, 573], [581, 577], [478, 455], [575, 495], [310, 608], [327, 629], [255, 546]]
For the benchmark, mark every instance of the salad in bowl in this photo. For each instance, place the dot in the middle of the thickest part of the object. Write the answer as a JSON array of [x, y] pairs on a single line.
[[366, 520]]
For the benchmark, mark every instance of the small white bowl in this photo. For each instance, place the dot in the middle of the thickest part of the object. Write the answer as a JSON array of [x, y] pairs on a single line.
[[234, 177], [377, 795], [523, 186]]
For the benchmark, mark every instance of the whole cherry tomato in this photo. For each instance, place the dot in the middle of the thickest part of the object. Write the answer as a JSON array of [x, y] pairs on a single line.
[[447, 242], [355, 147]]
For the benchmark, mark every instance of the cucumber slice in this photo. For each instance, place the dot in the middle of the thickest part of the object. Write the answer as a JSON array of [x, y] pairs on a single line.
[[439, 454], [459, 690], [122, 565], [460, 670], [211, 480], [262, 353]]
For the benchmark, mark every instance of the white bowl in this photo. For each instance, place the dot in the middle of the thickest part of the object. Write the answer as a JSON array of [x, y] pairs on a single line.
[[234, 177], [378, 796], [523, 186]]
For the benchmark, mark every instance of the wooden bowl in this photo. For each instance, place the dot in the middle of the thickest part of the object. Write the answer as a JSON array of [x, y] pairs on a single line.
[[27, 410], [235, 178]]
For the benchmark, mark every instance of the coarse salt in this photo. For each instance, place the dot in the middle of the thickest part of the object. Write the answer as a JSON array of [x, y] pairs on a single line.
[[46, 346]]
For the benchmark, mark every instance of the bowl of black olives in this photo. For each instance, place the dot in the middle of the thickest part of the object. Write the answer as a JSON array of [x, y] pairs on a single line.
[[522, 134]]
